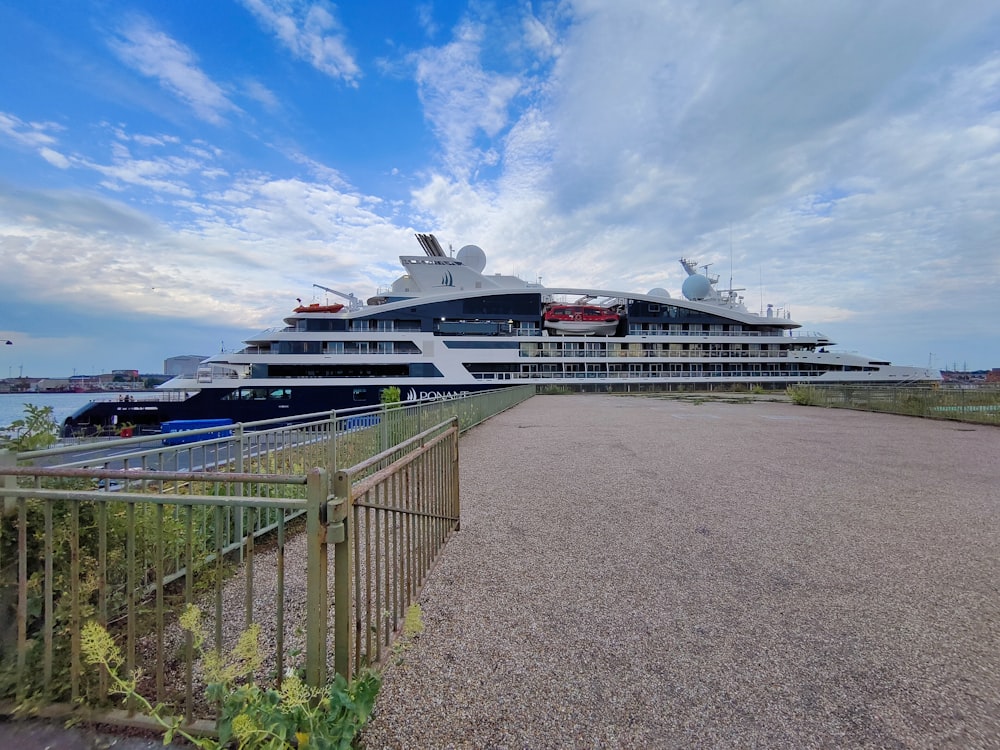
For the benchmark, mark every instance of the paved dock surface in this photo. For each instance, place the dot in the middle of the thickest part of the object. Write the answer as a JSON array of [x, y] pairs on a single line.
[[639, 572]]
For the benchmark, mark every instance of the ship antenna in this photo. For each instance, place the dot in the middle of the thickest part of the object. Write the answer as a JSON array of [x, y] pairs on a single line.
[[730, 255], [761, 270]]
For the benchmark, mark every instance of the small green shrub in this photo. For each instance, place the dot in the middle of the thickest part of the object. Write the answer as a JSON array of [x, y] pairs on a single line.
[[294, 715], [554, 390], [90, 517], [36, 430], [71, 521], [413, 626], [802, 395]]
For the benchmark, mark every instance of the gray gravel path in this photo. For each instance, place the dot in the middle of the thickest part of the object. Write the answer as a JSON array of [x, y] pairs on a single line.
[[644, 572]]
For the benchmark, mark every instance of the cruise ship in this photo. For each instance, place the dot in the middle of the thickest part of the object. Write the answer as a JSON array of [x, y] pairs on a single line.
[[445, 329]]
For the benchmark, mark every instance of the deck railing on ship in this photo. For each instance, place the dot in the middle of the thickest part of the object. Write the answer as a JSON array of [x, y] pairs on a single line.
[[658, 353]]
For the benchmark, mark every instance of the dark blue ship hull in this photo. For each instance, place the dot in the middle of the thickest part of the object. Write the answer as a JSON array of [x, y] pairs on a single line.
[[103, 417]]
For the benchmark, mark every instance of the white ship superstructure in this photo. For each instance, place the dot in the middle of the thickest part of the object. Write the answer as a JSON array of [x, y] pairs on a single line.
[[445, 328]]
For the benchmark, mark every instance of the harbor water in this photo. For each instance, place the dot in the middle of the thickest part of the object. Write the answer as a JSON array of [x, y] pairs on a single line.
[[63, 404]]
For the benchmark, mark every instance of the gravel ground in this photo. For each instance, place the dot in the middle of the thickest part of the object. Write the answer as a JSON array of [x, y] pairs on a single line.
[[644, 572]]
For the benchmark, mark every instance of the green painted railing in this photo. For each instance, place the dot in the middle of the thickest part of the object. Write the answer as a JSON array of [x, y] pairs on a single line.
[[239, 525], [981, 405]]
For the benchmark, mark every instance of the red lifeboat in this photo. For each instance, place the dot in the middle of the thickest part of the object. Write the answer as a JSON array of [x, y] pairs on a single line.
[[580, 320], [316, 307]]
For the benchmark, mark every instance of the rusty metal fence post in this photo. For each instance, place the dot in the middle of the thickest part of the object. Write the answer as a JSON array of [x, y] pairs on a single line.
[[455, 493], [317, 607], [342, 534], [7, 458]]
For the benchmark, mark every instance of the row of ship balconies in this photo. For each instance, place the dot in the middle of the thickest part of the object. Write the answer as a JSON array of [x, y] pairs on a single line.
[[585, 353]]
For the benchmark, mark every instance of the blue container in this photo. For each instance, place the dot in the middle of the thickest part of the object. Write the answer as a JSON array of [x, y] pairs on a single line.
[[360, 422], [184, 425]]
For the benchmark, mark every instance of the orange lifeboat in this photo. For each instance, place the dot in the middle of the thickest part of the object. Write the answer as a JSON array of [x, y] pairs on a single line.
[[581, 320], [316, 307]]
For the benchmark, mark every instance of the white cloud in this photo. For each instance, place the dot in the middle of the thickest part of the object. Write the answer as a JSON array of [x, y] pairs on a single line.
[[27, 133], [538, 37], [461, 100], [831, 147], [148, 140], [262, 94], [311, 32], [164, 165], [164, 174], [153, 53], [425, 17], [847, 153], [54, 158]]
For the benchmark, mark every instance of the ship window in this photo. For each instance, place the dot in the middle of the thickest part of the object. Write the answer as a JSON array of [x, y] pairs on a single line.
[[471, 328], [492, 344], [360, 394], [505, 305], [320, 324], [258, 394], [330, 370], [299, 347], [424, 370]]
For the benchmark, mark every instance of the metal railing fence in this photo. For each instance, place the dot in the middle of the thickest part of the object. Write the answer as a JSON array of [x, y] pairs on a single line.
[[72, 555], [237, 524], [980, 405], [270, 447], [298, 436], [400, 518]]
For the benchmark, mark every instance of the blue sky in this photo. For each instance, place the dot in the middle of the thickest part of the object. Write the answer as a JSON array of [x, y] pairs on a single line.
[[174, 175]]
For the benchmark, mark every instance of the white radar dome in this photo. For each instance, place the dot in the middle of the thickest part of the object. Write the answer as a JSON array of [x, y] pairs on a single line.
[[659, 292], [473, 257], [696, 287]]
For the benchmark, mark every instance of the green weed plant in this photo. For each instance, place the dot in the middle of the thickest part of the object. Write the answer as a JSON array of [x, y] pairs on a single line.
[[35, 431], [802, 395], [252, 717]]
